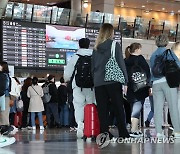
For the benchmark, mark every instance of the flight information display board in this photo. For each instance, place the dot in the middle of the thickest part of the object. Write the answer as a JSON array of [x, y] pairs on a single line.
[[92, 34], [36, 45], [24, 44]]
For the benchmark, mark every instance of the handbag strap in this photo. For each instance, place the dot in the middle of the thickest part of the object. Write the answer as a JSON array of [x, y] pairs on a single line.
[[169, 51], [113, 49], [35, 90]]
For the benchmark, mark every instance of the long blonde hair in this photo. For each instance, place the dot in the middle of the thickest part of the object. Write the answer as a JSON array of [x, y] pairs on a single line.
[[106, 32]]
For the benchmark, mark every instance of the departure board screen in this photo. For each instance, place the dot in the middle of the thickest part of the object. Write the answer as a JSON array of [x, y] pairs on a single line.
[[36, 45], [92, 34], [24, 44]]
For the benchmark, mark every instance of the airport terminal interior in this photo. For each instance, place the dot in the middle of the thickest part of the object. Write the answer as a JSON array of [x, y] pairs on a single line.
[[39, 37]]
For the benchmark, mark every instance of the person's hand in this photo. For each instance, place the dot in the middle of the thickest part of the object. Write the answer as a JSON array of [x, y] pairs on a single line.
[[150, 91], [125, 90], [11, 103]]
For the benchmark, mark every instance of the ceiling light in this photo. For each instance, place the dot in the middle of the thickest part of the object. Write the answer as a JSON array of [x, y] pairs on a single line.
[[122, 4], [172, 13], [147, 11], [178, 11], [143, 6], [85, 5], [163, 8]]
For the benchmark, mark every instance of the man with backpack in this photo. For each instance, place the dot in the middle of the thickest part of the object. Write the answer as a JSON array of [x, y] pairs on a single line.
[[51, 101], [78, 70]]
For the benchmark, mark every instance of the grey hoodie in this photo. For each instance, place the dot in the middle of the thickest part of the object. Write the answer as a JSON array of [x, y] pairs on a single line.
[[99, 59]]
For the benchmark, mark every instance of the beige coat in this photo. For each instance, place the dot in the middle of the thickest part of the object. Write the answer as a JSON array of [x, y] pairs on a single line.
[[36, 103]]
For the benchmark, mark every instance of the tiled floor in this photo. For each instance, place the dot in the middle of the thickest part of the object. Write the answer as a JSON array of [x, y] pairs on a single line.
[[62, 141]]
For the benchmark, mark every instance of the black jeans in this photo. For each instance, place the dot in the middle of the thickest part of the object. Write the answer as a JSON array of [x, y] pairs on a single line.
[[52, 108], [25, 123], [72, 121], [111, 92]]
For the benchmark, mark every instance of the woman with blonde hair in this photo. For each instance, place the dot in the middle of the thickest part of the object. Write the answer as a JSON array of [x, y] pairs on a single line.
[[106, 91]]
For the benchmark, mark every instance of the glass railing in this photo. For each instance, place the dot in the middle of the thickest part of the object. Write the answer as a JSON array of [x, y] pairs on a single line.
[[130, 27]]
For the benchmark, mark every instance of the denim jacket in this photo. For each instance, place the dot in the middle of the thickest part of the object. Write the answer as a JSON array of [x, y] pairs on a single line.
[[7, 86], [160, 51]]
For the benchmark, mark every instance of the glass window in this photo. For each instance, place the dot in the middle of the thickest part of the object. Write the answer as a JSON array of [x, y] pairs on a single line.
[[18, 10], [8, 13]]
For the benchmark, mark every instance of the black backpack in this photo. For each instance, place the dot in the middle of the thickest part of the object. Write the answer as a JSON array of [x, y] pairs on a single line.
[[172, 70], [138, 77], [83, 75], [158, 69]]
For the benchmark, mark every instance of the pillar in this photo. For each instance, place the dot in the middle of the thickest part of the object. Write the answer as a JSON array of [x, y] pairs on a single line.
[[77, 17], [76, 5], [106, 6], [3, 4]]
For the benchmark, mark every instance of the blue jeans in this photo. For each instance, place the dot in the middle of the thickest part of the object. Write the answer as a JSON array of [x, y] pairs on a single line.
[[151, 113], [64, 115], [136, 109], [52, 108], [39, 117]]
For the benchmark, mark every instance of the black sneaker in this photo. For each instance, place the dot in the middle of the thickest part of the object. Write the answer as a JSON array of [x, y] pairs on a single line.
[[135, 134], [5, 130]]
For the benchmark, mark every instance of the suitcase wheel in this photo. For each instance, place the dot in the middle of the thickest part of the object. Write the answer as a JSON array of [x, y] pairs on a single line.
[[85, 138], [93, 138]]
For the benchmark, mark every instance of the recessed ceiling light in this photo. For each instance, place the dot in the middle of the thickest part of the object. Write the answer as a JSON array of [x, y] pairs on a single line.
[[163, 8], [85, 5], [122, 4], [172, 13], [143, 6], [178, 11], [147, 11]]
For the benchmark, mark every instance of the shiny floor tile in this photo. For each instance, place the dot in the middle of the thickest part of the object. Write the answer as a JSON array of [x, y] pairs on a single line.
[[62, 141]]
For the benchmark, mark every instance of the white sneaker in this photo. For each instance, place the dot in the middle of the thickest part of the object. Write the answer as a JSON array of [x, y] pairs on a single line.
[[5, 141], [160, 136], [80, 130], [15, 128], [34, 128], [41, 127], [135, 134], [29, 127]]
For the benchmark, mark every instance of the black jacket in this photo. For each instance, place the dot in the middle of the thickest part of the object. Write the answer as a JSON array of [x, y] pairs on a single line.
[[3, 83], [99, 59], [24, 97], [62, 94], [140, 95], [53, 92]]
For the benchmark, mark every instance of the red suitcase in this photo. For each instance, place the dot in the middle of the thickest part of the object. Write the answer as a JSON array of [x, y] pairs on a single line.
[[91, 122]]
